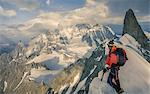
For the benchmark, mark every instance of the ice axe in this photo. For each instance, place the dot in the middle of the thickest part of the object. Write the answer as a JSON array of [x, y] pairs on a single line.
[[102, 76], [104, 70]]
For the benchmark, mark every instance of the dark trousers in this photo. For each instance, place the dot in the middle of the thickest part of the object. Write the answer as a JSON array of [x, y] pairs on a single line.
[[113, 79]]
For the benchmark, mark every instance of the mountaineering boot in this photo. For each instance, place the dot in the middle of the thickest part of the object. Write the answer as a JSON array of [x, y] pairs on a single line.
[[120, 91]]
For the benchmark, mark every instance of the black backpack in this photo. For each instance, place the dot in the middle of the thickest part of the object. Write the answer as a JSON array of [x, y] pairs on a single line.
[[120, 52]]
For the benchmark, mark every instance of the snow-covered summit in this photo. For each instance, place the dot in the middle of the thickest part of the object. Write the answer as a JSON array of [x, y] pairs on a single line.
[[91, 34], [66, 38], [37, 44], [59, 48]]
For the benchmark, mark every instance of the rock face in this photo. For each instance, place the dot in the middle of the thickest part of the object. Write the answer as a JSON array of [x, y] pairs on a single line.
[[132, 28], [13, 74]]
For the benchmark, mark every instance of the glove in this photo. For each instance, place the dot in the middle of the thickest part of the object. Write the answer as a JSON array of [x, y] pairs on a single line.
[[106, 68]]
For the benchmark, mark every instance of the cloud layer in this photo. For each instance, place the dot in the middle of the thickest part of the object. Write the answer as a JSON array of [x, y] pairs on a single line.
[[102, 11], [7, 13], [92, 13], [38, 14], [26, 4]]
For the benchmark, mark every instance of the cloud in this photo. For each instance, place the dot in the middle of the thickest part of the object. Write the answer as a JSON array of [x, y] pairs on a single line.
[[91, 14], [12, 33], [25, 9], [7, 13], [94, 2], [145, 18], [48, 2], [24, 4], [90, 2]]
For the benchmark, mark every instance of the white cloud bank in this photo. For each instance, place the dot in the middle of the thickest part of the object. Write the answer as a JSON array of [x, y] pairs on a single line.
[[144, 18], [48, 2], [93, 12], [25, 4], [7, 13], [90, 2]]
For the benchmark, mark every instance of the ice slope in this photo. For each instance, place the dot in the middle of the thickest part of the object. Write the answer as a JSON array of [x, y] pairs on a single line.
[[134, 76]]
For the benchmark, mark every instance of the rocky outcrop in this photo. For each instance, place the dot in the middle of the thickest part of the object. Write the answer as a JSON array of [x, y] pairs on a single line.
[[132, 27], [14, 72]]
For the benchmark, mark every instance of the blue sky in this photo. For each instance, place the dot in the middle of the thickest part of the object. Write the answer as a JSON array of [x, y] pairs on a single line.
[[23, 10], [19, 11]]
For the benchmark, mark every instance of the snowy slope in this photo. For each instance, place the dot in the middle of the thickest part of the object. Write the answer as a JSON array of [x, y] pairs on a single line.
[[57, 49], [134, 76], [132, 43], [68, 64], [129, 41]]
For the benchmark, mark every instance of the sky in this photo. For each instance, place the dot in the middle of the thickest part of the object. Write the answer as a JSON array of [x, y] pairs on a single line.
[[19, 11], [55, 13]]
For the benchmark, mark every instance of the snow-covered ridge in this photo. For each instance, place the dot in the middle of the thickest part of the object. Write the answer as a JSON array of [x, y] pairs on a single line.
[[130, 41], [81, 34], [135, 67], [61, 47], [134, 76], [91, 34]]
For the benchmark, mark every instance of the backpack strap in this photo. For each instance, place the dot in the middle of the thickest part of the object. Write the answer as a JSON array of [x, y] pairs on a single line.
[[125, 55]]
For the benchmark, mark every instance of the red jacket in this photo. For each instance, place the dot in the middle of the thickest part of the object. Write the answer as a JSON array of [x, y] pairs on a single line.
[[111, 58]]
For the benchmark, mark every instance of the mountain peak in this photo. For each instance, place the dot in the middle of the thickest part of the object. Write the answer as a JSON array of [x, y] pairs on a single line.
[[132, 27], [130, 11]]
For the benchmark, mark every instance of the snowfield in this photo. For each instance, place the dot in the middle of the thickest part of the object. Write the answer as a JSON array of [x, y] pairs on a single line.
[[42, 75]]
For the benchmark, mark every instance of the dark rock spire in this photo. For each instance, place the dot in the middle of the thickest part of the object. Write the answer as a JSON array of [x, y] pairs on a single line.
[[132, 27]]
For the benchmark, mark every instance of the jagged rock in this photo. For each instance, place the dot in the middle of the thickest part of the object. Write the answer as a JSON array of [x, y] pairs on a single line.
[[132, 27], [15, 74]]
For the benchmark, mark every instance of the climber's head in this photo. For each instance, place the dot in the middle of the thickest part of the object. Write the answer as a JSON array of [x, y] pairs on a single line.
[[111, 46], [110, 43]]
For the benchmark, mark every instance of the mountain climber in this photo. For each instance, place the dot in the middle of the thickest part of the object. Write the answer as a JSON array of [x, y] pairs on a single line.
[[113, 62]]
